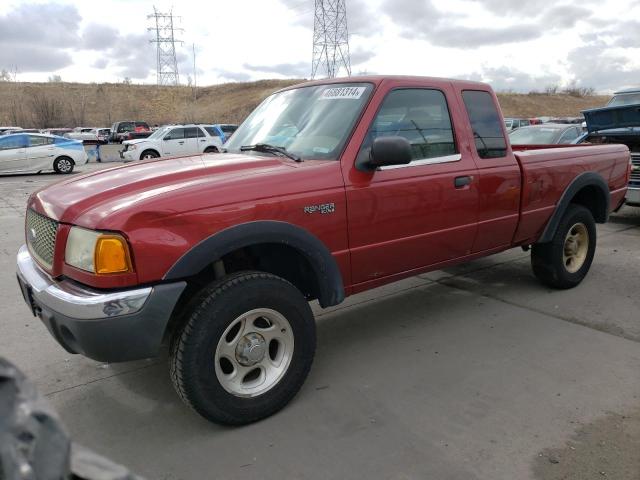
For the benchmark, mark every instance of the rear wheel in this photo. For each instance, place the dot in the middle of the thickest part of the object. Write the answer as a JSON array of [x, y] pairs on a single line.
[[565, 261], [211, 150], [245, 349], [148, 154], [63, 165]]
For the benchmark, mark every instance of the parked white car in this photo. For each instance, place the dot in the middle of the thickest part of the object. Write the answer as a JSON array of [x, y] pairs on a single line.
[[35, 153], [90, 134], [173, 141]]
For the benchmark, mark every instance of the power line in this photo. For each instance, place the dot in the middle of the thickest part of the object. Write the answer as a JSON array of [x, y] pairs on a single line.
[[167, 63], [330, 39]]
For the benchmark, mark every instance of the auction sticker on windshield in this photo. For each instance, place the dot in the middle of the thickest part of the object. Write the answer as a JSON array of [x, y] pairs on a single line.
[[343, 92]]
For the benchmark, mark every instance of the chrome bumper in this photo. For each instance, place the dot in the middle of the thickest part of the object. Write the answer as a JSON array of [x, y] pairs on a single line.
[[633, 196], [72, 300]]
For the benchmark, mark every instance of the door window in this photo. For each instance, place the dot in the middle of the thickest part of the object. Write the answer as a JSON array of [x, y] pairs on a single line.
[[485, 123], [419, 115], [191, 132], [35, 141], [13, 142], [569, 136], [175, 134]]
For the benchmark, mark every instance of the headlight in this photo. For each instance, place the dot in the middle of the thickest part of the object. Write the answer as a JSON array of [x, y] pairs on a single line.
[[132, 146], [97, 252]]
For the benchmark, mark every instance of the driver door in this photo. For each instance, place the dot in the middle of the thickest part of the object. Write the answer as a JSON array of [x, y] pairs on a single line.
[[406, 217]]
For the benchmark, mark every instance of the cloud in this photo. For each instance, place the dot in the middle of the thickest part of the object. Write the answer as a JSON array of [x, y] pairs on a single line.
[[361, 56], [295, 70], [101, 63], [133, 56], [595, 66], [510, 7], [30, 58], [505, 78], [420, 19], [99, 37], [48, 25], [565, 16], [233, 76]]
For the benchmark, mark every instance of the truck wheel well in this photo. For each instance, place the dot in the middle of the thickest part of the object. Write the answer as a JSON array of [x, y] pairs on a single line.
[[278, 259], [594, 199]]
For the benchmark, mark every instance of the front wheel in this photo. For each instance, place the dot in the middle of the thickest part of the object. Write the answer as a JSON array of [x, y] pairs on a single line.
[[63, 165], [245, 349], [149, 154], [565, 260]]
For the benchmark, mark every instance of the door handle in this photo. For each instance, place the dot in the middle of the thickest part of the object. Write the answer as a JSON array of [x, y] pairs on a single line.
[[463, 181], [181, 143]]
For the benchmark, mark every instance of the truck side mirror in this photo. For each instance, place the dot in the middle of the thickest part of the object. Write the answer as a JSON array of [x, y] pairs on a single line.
[[389, 151]]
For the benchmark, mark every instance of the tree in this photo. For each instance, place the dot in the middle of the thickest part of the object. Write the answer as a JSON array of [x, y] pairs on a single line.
[[54, 79]]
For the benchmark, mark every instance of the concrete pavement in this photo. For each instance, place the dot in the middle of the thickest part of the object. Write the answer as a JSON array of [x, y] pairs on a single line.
[[469, 373]]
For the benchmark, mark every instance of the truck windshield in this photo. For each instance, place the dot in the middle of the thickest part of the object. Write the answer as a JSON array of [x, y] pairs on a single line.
[[310, 122]]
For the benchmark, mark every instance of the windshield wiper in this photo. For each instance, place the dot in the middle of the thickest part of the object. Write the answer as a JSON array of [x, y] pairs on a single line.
[[266, 148]]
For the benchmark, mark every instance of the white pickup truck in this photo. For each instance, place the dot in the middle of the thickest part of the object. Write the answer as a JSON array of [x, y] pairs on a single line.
[[173, 141]]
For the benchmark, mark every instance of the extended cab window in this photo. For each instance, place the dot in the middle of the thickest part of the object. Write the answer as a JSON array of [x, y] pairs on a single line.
[[419, 115], [485, 123]]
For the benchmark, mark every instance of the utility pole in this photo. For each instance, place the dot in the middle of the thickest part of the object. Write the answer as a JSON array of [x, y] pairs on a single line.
[[330, 39], [167, 64], [195, 83]]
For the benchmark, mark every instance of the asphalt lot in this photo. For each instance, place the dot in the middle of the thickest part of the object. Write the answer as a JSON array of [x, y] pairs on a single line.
[[475, 372]]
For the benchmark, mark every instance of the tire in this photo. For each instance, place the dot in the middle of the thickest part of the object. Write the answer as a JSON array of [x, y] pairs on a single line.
[[63, 165], [148, 154], [211, 150], [209, 357], [565, 260]]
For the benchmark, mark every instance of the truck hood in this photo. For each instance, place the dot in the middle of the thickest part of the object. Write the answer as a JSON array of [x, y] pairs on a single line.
[[135, 141], [105, 199], [607, 118]]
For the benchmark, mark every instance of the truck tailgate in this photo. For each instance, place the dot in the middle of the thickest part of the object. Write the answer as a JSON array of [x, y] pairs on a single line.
[[547, 172]]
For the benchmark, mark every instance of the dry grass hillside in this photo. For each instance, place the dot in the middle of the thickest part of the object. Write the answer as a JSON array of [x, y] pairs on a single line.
[[61, 104]]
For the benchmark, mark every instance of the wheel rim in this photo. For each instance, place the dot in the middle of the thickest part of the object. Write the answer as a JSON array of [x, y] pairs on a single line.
[[64, 165], [254, 352], [148, 156], [576, 247]]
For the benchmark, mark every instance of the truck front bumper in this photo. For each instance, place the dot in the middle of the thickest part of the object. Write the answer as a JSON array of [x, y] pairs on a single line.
[[128, 155], [633, 197], [108, 326]]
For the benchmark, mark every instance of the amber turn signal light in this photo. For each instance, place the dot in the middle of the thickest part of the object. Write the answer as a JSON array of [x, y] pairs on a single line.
[[112, 255]]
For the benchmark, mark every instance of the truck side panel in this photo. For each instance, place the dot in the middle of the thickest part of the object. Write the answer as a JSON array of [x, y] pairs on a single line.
[[548, 172]]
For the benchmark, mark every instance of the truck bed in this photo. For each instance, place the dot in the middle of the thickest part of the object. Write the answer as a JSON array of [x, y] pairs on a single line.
[[547, 171]]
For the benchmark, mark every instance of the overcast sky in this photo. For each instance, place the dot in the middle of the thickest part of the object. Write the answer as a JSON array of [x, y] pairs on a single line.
[[512, 44]]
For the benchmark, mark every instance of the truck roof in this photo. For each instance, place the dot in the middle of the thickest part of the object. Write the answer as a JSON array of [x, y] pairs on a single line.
[[378, 79], [627, 90]]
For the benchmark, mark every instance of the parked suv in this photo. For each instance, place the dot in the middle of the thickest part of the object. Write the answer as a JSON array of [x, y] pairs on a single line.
[[174, 141], [118, 129]]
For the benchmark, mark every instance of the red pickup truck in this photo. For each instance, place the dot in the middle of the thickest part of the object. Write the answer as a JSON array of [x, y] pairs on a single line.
[[328, 189]]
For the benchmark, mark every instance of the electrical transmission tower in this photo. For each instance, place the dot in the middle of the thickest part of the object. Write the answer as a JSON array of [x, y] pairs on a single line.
[[165, 46], [330, 39]]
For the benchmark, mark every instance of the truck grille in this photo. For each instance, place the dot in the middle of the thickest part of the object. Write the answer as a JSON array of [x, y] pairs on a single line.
[[41, 237], [634, 180]]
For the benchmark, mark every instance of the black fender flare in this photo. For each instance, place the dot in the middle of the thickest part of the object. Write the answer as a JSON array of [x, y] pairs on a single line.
[[586, 179], [325, 267]]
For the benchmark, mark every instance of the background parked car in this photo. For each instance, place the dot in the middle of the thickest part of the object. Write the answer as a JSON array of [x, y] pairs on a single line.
[[513, 123], [136, 135], [174, 141], [10, 131], [545, 134], [118, 129], [4, 130], [224, 131], [35, 153], [60, 132], [90, 134]]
